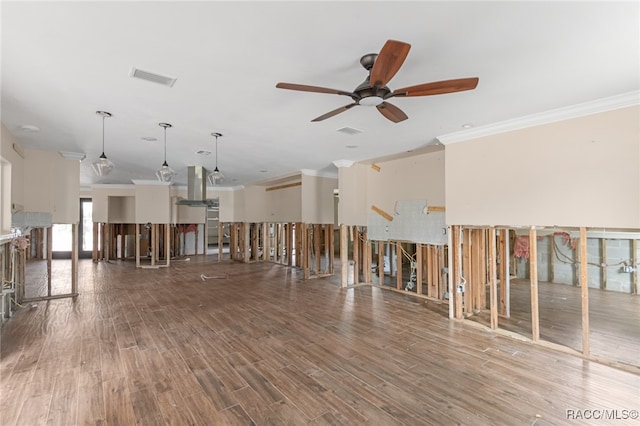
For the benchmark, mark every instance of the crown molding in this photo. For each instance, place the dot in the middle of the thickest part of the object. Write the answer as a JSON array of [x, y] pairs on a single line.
[[574, 111], [319, 173], [112, 186], [343, 163], [149, 182]]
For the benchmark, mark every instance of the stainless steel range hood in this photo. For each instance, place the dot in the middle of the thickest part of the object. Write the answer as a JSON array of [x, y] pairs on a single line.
[[197, 189]]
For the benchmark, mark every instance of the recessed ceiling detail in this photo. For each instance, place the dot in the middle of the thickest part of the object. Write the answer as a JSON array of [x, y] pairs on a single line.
[[203, 152], [349, 130], [152, 77]]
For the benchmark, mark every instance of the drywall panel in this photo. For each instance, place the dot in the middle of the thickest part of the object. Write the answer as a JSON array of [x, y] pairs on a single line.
[[5, 197], [352, 198], [318, 199], [229, 207], [411, 221], [52, 185], [188, 214], [100, 198], [579, 172], [277, 205], [153, 203], [420, 177], [38, 176], [122, 209], [66, 190], [9, 154]]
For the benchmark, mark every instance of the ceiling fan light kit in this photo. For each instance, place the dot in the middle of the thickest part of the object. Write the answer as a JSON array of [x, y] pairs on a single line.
[[102, 166], [373, 91]]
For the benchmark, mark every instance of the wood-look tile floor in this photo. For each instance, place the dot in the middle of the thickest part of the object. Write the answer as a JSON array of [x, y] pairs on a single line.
[[163, 347]]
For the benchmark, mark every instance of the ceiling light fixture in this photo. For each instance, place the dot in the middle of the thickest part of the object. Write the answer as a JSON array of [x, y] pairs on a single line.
[[165, 173], [216, 177], [103, 165]]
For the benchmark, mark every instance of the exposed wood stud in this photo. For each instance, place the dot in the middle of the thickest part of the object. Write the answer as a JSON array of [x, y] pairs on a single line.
[[344, 255], [137, 239], [419, 266], [382, 213], [433, 209], [634, 262], [399, 258], [356, 255], [467, 297], [74, 258], [584, 290], [493, 284], [49, 254], [504, 272], [533, 278], [94, 254], [455, 279], [381, 245], [220, 240], [603, 261]]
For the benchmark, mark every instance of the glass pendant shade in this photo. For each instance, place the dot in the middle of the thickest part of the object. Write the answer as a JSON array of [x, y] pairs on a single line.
[[102, 166], [215, 177], [165, 173]]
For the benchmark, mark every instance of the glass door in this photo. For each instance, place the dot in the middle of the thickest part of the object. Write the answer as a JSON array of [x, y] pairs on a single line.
[[85, 229]]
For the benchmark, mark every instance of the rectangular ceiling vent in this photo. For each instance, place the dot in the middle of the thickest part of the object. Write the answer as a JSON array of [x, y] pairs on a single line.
[[349, 130], [153, 77]]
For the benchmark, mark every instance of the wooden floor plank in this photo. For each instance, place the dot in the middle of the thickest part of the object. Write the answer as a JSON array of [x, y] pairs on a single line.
[[266, 347], [117, 402]]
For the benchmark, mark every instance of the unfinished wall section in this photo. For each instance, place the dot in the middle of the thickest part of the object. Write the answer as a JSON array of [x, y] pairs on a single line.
[[609, 260]]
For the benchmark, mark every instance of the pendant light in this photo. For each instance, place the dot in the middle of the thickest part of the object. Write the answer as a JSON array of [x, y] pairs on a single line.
[[165, 173], [216, 177], [103, 165]]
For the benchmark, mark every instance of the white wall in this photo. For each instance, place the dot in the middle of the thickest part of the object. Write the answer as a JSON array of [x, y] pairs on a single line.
[[579, 172]]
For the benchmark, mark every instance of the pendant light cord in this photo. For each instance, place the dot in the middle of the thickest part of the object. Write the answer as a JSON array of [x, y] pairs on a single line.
[[165, 145], [216, 153], [103, 117]]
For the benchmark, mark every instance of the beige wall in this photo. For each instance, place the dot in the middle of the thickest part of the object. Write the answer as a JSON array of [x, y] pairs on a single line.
[[579, 172], [153, 203], [414, 178], [352, 205], [52, 185], [100, 195], [9, 154], [317, 199], [280, 205], [122, 209]]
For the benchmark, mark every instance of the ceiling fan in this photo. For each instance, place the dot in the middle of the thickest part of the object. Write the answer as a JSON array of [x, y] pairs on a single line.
[[373, 91]]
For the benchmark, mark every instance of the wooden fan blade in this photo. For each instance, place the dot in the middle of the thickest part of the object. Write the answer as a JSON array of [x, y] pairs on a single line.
[[334, 112], [392, 112], [388, 62], [316, 89], [438, 87]]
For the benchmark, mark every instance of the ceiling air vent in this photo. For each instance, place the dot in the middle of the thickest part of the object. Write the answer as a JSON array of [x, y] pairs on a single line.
[[153, 77], [349, 130]]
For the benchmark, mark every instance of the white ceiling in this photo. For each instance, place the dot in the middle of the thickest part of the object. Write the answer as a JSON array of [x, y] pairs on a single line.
[[63, 61]]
